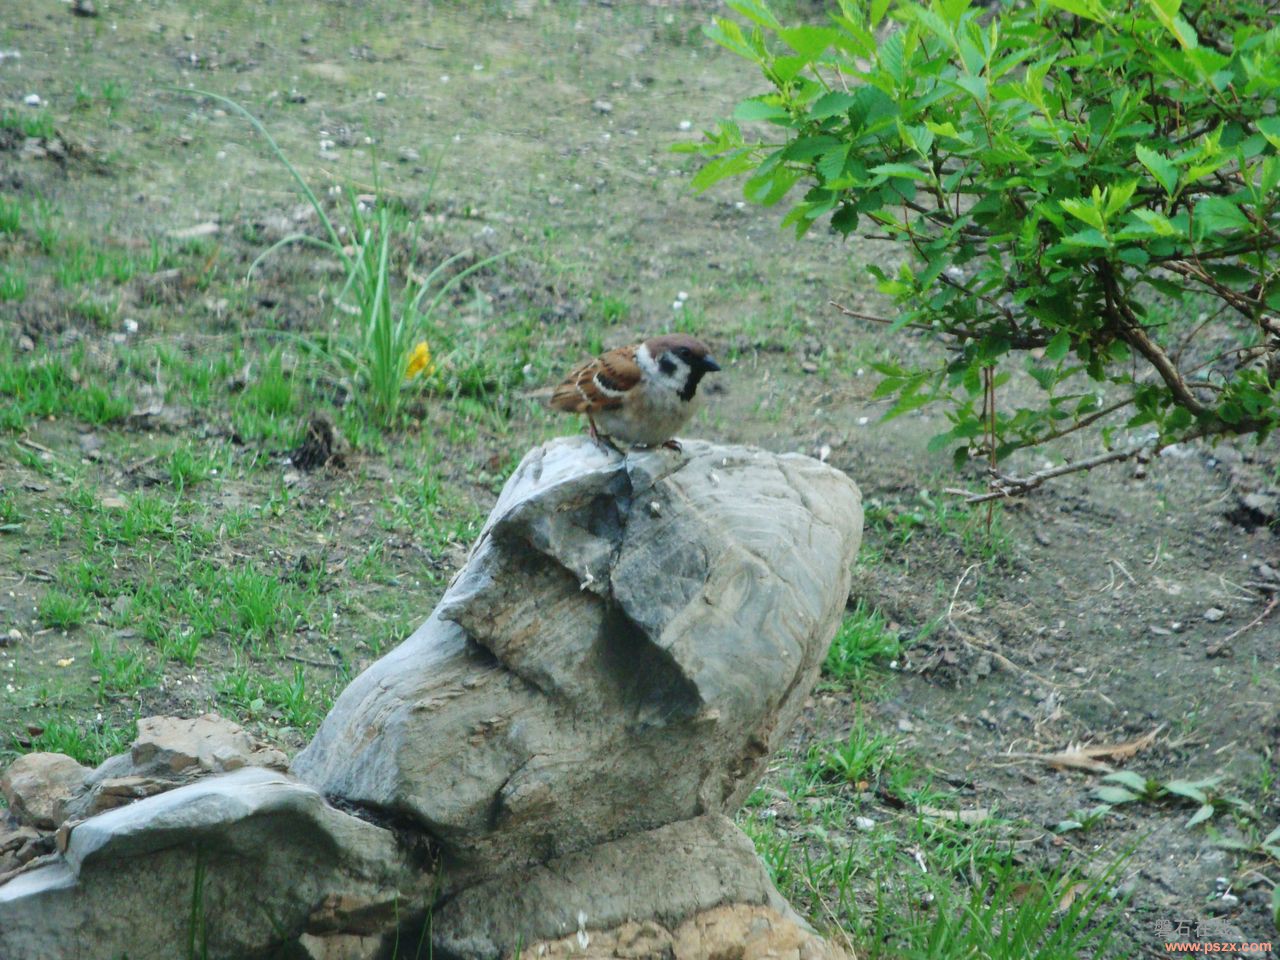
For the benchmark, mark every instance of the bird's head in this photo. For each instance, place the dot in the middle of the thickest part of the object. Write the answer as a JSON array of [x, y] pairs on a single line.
[[680, 361]]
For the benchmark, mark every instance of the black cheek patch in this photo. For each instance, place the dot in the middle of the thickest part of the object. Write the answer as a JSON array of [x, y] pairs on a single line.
[[667, 365], [691, 385]]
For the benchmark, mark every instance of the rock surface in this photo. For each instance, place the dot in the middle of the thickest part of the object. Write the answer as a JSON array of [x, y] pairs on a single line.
[[37, 786], [665, 877], [625, 644], [266, 853]]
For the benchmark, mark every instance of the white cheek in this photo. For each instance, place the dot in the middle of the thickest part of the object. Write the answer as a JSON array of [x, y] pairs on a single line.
[[677, 378]]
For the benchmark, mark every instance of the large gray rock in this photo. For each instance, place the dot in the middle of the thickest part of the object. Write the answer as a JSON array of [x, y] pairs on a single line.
[[269, 858], [624, 646]]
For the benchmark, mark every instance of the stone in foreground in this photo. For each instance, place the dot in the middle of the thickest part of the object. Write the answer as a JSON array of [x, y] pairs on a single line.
[[260, 853], [625, 645]]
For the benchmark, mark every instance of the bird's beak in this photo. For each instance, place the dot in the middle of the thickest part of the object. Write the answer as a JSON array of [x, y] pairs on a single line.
[[709, 364]]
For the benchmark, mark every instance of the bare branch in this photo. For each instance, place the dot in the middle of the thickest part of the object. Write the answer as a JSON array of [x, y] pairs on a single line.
[[1005, 486]]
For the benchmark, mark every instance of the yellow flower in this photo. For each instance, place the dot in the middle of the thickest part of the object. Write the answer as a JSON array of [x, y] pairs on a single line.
[[420, 361]]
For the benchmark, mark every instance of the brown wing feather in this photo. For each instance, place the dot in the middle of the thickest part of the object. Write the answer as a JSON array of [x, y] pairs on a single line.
[[598, 384]]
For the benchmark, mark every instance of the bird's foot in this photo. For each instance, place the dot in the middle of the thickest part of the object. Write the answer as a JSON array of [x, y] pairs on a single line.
[[603, 440]]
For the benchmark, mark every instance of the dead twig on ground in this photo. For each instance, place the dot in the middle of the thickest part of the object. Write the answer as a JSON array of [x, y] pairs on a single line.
[[1220, 647]]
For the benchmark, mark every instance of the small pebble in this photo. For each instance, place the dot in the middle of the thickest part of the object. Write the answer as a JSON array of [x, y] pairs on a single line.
[[380, 96], [602, 106], [32, 100], [864, 823], [686, 124], [1213, 614]]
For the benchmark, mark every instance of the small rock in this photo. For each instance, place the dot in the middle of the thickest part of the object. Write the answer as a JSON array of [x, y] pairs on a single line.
[[602, 106], [14, 635], [809, 367], [32, 100], [37, 785], [409, 155], [864, 823], [905, 725], [1213, 614], [84, 8]]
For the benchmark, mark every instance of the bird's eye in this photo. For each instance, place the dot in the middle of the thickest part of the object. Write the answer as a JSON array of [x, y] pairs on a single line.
[[684, 353]]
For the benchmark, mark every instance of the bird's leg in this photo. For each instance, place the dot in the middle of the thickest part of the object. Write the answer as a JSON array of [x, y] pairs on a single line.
[[602, 439]]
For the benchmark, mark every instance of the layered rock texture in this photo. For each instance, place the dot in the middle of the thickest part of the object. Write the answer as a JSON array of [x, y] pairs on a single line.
[[548, 764]]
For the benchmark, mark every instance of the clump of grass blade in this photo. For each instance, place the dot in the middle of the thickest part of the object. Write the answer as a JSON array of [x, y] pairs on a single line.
[[393, 312]]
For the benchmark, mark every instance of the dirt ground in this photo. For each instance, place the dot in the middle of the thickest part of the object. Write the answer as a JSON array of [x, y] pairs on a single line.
[[1100, 610]]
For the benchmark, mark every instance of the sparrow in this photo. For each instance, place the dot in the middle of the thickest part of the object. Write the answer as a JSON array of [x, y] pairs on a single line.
[[641, 394]]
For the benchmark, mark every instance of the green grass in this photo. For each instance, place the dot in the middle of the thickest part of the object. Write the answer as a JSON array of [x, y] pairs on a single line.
[[945, 517], [28, 123], [120, 669], [293, 702], [929, 890], [88, 743], [13, 285], [863, 641], [10, 216], [860, 758], [61, 610], [42, 385]]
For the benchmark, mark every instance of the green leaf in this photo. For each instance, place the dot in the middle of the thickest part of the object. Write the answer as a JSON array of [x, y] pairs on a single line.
[[759, 109], [1204, 813], [1114, 795], [1087, 238], [1058, 347], [831, 104], [1219, 215], [1088, 9], [1272, 839], [757, 12], [1158, 223], [1161, 167], [1185, 788], [809, 42], [1118, 197], [722, 168], [1083, 210], [1127, 778], [1166, 12], [729, 35], [905, 170], [1269, 127]]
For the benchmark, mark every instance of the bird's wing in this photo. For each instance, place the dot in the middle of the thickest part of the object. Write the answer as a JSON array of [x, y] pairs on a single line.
[[599, 384]]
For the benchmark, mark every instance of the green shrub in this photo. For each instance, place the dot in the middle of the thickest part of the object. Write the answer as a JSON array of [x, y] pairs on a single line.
[[1090, 185]]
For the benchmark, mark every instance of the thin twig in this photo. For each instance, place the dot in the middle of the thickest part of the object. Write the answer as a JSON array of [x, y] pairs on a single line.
[[1006, 486], [312, 663], [1216, 648]]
